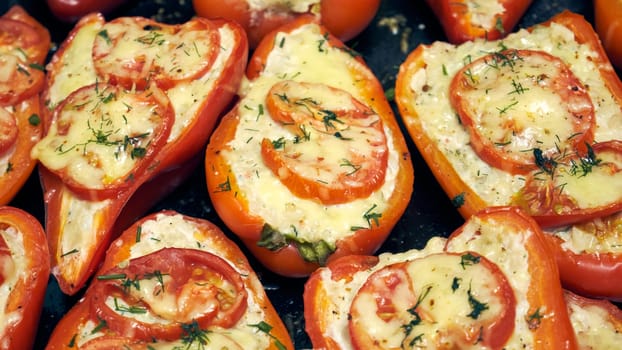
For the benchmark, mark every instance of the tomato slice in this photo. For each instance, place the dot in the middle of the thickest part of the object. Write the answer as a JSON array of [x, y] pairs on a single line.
[[156, 294], [576, 187], [20, 75], [445, 300], [514, 101], [133, 51], [339, 152], [103, 138], [8, 130]]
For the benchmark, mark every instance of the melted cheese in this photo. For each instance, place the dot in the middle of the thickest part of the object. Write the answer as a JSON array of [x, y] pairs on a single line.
[[507, 250], [5, 157], [82, 222], [187, 98], [282, 5], [601, 235], [302, 55], [76, 69], [484, 13], [175, 53], [90, 142], [439, 120], [13, 268], [173, 231], [588, 191], [445, 291], [593, 327], [342, 293]]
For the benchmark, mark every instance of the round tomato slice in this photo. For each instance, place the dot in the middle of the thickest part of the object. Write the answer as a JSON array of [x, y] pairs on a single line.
[[8, 130], [576, 187], [339, 152], [445, 300], [158, 295], [103, 138], [514, 101], [133, 51], [20, 76]]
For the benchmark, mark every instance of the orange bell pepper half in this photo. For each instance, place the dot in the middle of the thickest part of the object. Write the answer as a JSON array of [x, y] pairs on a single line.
[[493, 283], [126, 135], [24, 278], [177, 281], [310, 164]]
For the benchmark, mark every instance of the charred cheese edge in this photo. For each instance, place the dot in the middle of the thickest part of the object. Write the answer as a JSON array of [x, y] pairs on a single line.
[[301, 55], [173, 231], [439, 120], [81, 221], [13, 268]]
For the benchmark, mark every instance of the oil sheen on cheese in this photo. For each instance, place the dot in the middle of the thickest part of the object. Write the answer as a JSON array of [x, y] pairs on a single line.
[[439, 120], [301, 55], [172, 230]]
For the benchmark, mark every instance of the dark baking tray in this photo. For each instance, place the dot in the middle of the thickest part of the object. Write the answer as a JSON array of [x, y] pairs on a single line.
[[384, 47]]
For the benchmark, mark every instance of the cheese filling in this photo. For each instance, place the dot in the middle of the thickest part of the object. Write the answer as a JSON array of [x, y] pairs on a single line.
[[428, 299], [342, 293], [12, 266], [302, 56], [507, 250], [592, 325], [299, 6], [593, 237]]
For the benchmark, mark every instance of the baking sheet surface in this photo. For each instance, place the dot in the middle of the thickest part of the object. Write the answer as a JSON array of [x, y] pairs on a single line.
[[398, 28]]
